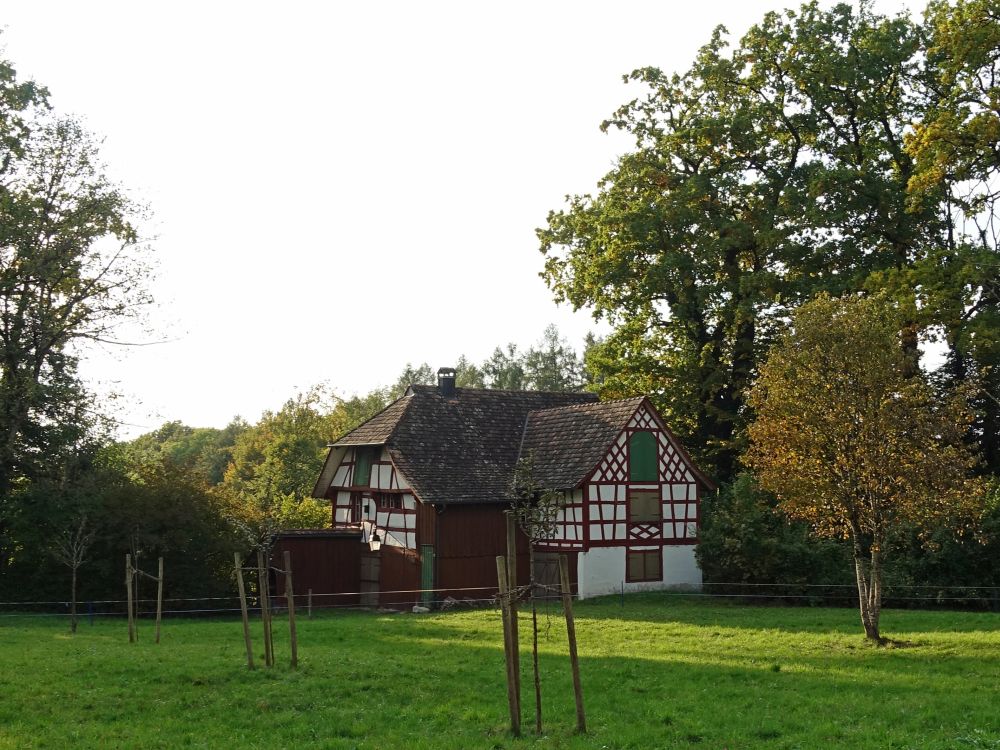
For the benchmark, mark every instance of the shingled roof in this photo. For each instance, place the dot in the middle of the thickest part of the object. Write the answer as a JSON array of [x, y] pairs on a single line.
[[464, 448], [565, 444], [378, 429], [461, 449]]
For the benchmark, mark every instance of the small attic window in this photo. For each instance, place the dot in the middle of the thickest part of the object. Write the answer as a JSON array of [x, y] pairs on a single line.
[[642, 457], [364, 457]]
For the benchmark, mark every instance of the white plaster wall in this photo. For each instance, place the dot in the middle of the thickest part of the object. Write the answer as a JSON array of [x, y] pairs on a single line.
[[340, 478], [601, 570], [680, 567]]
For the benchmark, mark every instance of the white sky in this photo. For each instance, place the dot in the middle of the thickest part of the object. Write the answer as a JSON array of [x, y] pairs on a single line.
[[341, 188]]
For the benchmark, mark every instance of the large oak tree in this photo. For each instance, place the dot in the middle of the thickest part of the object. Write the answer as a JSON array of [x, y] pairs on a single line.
[[72, 269], [956, 147], [770, 171]]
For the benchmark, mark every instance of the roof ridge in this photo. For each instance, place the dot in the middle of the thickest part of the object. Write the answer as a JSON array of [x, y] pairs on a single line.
[[527, 391], [590, 404]]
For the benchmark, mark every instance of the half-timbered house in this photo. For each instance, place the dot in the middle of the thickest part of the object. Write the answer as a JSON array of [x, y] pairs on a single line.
[[417, 496]]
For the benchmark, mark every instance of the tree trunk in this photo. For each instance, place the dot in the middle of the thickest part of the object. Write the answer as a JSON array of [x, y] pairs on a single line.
[[868, 571], [909, 337], [72, 601]]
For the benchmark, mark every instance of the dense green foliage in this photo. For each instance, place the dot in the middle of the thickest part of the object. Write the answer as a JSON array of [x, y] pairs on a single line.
[[658, 672], [956, 147], [204, 450], [776, 168], [744, 539], [149, 510], [550, 364]]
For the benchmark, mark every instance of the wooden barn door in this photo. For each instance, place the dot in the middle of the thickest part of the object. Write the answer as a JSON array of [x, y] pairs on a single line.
[[370, 569], [547, 572]]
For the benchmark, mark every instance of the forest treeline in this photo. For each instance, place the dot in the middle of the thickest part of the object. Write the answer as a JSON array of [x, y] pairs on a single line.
[[832, 153]]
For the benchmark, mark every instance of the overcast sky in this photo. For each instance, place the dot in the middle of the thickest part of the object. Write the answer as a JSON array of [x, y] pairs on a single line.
[[339, 189]]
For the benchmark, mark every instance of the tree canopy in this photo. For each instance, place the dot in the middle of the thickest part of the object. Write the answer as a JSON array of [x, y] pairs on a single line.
[[73, 268], [774, 169]]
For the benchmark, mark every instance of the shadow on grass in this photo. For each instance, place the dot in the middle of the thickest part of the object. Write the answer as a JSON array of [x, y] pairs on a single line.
[[707, 612], [686, 692]]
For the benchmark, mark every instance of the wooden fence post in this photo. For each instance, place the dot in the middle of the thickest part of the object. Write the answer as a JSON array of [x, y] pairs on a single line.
[[128, 597], [243, 608], [159, 600], [515, 714], [567, 598], [290, 598]]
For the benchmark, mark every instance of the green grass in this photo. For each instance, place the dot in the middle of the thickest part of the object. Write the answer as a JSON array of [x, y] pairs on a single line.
[[660, 672]]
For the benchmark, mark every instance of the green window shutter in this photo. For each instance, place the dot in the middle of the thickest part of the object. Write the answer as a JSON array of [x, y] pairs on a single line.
[[362, 467], [642, 457]]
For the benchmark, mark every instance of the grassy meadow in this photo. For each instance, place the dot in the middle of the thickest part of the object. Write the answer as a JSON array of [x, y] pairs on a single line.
[[657, 672]]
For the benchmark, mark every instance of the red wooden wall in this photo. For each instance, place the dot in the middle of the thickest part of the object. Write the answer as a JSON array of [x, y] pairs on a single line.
[[326, 561], [469, 539], [400, 577]]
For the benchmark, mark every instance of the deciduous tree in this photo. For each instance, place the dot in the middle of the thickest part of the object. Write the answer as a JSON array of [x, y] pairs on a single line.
[[852, 442], [72, 269], [71, 546], [274, 467]]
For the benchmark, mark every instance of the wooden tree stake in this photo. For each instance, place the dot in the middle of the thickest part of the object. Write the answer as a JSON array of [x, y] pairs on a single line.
[[264, 595], [269, 602], [515, 717], [128, 599], [567, 598], [290, 597], [243, 608], [515, 636], [159, 600]]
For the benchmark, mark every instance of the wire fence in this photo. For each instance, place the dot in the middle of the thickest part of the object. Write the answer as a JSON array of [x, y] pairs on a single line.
[[925, 596]]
